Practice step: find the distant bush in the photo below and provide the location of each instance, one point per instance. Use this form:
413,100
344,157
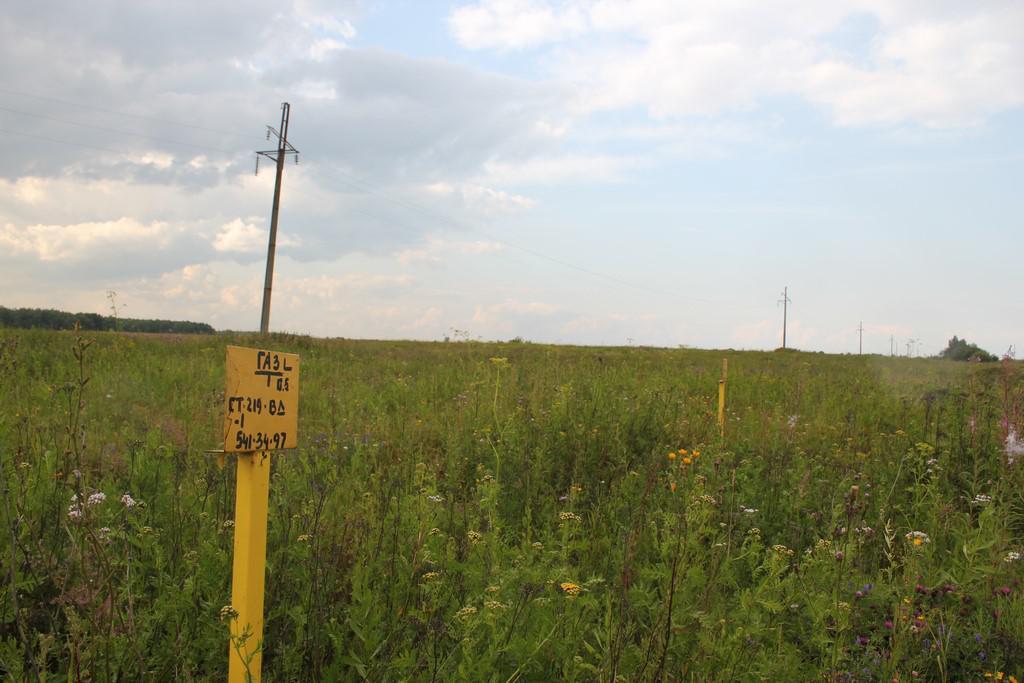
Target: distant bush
50,319
959,349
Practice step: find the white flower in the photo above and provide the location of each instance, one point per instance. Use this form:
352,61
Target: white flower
128,501
1012,556
435,499
96,498
918,537
747,510
982,499
792,420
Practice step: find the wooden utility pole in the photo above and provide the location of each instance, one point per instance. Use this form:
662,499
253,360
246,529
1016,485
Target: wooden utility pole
284,148
785,301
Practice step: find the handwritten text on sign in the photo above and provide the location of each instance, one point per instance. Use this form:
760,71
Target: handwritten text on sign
261,400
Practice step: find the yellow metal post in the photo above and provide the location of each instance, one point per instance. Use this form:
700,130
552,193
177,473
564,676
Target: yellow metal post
721,396
249,567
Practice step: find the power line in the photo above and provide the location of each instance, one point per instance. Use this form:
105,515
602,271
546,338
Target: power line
533,252
121,113
114,130
64,142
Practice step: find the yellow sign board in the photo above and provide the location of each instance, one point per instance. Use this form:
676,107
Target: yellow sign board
261,400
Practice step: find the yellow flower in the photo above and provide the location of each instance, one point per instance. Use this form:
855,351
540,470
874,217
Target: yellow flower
696,454
918,541
682,451
569,588
671,455
673,487
687,460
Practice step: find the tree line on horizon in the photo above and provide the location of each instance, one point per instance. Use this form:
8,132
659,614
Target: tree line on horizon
52,319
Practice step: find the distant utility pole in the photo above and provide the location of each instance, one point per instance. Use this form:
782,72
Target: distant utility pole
284,148
910,345
785,301
892,345
860,344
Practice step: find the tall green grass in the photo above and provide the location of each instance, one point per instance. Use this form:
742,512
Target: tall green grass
468,511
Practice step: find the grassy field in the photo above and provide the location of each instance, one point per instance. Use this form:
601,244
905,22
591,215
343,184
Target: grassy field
503,512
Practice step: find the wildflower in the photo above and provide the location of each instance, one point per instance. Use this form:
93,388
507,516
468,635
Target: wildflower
747,510
494,605
671,455
918,538
782,550
474,537
863,640
569,588
672,486
228,524
537,545
500,362
982,499
792,420
435,499
569,517
303,538
434,532
74,511
710,500
104,531
682,451
430,576
1012,556
146,530
128,501
227,613
465,612
96,498
492,589
687,460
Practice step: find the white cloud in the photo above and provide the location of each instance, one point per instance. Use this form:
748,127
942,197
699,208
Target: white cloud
511,309
435,250
480,198
547,170
330,288
515,24
248,237
935,64
81,240
28,189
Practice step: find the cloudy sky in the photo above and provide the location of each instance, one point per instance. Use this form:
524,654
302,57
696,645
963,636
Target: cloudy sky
575,171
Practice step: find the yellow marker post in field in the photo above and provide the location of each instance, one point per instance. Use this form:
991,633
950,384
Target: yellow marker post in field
261,411
721,396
